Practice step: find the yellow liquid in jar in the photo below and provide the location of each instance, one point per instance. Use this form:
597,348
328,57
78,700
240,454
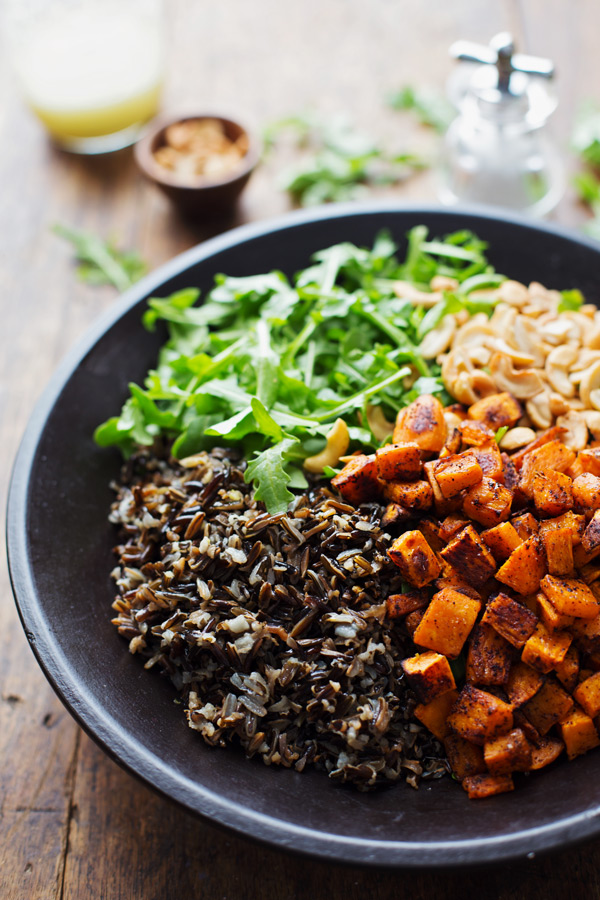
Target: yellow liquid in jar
92,73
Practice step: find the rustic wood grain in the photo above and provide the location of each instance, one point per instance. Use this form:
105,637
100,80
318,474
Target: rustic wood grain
74,826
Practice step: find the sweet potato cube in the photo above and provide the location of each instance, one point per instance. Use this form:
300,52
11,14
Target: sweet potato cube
478,787
510,619
578,733
549,615
412,495
525,567
570,596
589,460
474,433
429,675
548,706
587,634
510,476
591,537
456,473
567,671
421,423
430,529
547,751
552,492
490,459
415,558
488,502
586,492
443,506
479,716
357,482
497,410
451,579
558,544
582,557
489,657
465,758
395,514
412,620
525,525
551,434
470,557
587,694
550,457
399,462
453,442
447,622
451,525
545,650
574,522
398,605
434,715
507,753
502,540
523,683
575,470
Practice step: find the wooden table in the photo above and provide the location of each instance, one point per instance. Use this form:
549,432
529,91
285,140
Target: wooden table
72,824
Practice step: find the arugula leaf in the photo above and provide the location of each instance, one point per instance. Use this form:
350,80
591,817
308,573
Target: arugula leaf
100,261
431,108
585,139
570,300
500,433
269,476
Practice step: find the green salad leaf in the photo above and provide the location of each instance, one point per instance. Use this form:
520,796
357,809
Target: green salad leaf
267,364
100,262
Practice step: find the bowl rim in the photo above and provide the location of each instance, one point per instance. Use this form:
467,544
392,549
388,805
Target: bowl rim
144,157
87,709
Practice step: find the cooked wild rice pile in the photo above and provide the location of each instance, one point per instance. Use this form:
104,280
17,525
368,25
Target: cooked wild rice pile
272,628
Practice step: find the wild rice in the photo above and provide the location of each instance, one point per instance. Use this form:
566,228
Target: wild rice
272,628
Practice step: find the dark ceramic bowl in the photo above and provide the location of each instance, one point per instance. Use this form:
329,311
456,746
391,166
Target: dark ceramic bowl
200,197
60,558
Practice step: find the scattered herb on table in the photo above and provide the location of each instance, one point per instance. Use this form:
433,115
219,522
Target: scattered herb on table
100,262
267,365
430,107
585,141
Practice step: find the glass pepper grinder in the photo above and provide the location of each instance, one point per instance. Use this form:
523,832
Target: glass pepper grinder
497,150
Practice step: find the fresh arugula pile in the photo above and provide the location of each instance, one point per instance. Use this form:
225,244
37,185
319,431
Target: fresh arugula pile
267,365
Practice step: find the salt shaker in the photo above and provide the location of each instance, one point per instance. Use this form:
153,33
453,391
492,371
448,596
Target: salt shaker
497,150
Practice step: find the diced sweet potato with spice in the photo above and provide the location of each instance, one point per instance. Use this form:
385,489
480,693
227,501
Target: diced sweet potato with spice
412,620
591,536
465,758
488,502
513,621
357,482
474,433
525,567
395,514
478,787
555,433
558,545
523,683
429,675
415,558
570,596
550,457
398,605
586,492
434,715
589,460
447,622
508,753
582,557
578,733
413,495
522,722
399,462
545,752
549,615
502,540
497,411
422,423
489,657
451,579
451,525
479,716
574,522
567,671
587,634
456,473
525,525
443,506
430,529
453,442
587,694
548,706
470,557
545,650
552,493
510,476
490,459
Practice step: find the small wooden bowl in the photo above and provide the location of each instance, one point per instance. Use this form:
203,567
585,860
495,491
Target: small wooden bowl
201,196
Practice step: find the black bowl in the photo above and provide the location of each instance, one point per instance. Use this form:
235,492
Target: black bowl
60,543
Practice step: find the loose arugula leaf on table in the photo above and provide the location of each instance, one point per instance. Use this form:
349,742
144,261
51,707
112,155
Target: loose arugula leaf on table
267,364
100,262
430,107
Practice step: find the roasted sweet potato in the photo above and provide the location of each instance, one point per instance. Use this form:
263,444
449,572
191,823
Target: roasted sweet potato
422,423
525,525
465,758
502,540
453,442
413,495
395,515
490,459
497,410
447,622
399,605
451,525
525,567
586,492
583,557
547,751
434,715
578,733
478,787
489,657
567,671
479,716
513,621
429,675
508,753
587,694
451,579
552,492
545,650
415,558
549,615
470,557
412,620
554,433
573,521
399,462
487,502
456,473
510,476
591,536
558,545
523,682
442,505
548,706
475,434
430,529
357,482
589,460
550,457
587,634
570,596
